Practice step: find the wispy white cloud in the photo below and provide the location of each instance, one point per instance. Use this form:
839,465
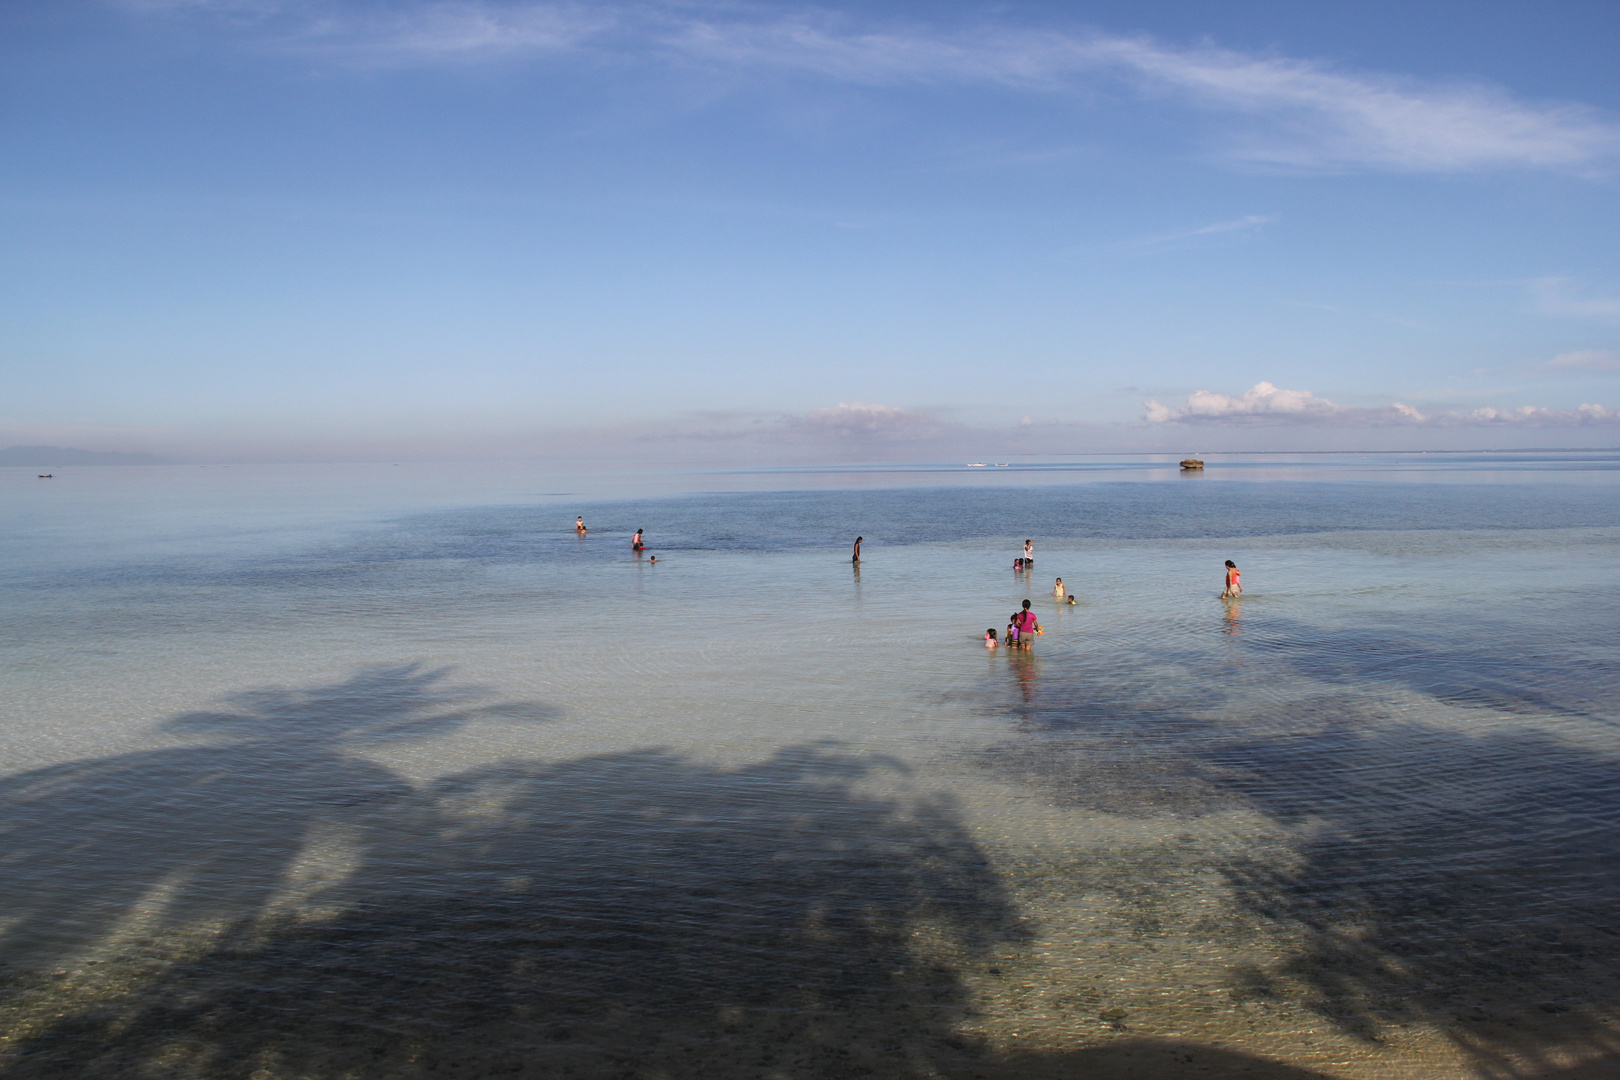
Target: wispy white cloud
1585,360
859,418
259,8
1268,405
1325,118
441,31
1564,297
1302,114
1238,225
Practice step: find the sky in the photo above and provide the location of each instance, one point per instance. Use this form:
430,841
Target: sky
768,232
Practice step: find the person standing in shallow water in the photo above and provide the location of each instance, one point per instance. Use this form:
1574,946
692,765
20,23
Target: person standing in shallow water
1028,626
1234,580
636,544
1029,555
857,556
579,525
1058,590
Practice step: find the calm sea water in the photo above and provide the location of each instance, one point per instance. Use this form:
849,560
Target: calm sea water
382,771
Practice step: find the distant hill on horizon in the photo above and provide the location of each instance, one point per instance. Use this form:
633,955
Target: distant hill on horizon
36,457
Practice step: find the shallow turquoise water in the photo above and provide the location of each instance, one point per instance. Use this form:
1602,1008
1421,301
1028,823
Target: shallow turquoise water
373,771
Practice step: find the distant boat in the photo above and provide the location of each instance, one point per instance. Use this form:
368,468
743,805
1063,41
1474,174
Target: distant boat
46,475
1001,464
1192,463
976,465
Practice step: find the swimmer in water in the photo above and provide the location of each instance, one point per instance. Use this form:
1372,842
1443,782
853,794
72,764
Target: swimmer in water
579,525
1018,566
652,559
1071,598
857,556
990,638
1234,580
1058,590
636,544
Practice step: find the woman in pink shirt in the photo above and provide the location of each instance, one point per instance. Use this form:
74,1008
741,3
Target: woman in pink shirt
1027,626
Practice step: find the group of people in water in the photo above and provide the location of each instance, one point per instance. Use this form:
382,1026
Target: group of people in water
637,545
1022,627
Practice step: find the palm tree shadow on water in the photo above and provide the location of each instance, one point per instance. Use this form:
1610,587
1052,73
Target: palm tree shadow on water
632,914
1466,881
206,831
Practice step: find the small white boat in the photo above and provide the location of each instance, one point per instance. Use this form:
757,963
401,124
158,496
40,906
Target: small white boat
976,465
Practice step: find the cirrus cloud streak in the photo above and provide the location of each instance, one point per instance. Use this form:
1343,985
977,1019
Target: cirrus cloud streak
1299,113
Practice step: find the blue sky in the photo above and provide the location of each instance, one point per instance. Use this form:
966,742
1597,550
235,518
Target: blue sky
285,229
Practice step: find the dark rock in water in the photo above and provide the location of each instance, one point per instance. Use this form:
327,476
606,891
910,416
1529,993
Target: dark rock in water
1192,463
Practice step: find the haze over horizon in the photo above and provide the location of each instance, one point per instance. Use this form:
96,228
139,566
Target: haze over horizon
709,232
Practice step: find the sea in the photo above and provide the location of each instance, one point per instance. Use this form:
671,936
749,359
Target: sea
382,771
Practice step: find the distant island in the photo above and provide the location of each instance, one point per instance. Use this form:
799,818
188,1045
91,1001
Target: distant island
46,456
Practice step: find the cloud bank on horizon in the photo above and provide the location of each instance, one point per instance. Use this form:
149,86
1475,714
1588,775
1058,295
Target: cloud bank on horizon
1268,404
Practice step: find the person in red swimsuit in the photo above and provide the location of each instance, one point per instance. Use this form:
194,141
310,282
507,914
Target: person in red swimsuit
1234,583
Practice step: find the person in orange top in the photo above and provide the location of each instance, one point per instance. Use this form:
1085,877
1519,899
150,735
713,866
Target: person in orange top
1234,583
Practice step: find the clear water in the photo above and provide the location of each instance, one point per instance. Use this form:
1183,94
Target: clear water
379,772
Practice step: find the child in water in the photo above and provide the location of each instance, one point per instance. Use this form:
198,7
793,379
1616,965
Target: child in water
990,638
1058,591
1071,598
1018,566
1234,582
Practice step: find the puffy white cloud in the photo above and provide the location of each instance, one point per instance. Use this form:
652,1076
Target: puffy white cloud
1269,404
1536,416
